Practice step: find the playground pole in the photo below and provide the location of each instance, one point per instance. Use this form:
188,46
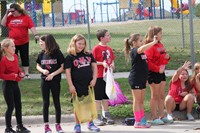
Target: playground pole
33,13
94,13
88,25
163,9
52,12
107,10
116,10
191,32
101,11
182,25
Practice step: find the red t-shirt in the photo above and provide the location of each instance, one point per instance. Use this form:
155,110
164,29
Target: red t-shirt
9,68
156,57
102,53
18,28
175,90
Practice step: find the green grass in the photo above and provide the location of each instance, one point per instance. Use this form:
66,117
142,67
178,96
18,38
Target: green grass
172,39
32,99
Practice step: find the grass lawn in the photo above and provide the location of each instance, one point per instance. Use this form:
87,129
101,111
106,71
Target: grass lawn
32,99
172,39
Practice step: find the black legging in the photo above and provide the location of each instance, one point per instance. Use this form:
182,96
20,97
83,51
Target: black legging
54,87
12,97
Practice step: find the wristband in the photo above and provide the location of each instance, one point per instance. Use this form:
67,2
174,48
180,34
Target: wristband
36,35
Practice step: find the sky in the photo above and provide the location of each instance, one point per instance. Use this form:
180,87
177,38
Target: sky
70,5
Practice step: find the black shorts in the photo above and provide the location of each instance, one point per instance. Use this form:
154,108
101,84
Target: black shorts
100,90
156,78
135,86
177,108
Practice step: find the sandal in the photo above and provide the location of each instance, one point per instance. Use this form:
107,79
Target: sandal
27,76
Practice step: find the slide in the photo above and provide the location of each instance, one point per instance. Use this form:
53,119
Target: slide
185,6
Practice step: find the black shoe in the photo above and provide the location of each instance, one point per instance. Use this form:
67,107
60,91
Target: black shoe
22,129
9,130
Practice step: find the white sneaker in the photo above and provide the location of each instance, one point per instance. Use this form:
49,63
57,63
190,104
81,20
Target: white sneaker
190,117
169,117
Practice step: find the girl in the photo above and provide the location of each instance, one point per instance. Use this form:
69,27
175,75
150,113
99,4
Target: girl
195,81
19,22
50,64
138,75
11,75
81,72
179,96
157,59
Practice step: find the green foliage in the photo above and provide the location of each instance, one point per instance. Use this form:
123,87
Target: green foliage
197,10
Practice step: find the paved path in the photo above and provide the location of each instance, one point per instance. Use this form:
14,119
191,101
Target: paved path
68,125
116,75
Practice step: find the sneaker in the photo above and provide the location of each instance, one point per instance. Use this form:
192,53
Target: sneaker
47,129
142,124
93,128
157,122
59,129
77,128
170,117
190,117
166,120
22,129
107,119
27,76
9,130
98,121
198,109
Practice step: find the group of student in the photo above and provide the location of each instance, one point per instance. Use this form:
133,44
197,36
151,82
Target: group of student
148,64
84,68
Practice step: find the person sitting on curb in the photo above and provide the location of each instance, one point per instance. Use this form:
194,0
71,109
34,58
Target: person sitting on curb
179,96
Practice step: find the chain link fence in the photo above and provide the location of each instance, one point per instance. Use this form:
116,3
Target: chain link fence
65,18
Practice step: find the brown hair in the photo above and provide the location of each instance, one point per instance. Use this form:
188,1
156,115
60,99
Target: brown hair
18,8
101,33
128,44
152,31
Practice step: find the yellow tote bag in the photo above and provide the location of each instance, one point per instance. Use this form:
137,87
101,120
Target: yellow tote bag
85,106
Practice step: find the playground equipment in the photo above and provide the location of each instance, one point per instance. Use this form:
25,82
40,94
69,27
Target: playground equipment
78,16
141,9
176,8
97,4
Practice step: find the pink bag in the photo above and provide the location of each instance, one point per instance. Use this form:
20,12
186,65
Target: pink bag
121,99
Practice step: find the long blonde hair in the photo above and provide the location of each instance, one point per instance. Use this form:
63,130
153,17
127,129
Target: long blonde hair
5,44
72,45
196,67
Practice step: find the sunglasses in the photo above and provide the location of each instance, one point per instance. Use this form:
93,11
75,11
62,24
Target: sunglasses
12,11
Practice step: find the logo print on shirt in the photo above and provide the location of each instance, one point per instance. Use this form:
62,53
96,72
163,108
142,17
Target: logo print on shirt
82,62
48,63
144,57
16,21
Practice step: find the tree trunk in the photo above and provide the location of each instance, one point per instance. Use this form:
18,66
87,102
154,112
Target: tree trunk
4,30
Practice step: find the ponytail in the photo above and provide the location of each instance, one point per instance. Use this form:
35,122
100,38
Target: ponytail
127,49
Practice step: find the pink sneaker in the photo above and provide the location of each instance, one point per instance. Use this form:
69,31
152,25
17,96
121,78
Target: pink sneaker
47,129
59,129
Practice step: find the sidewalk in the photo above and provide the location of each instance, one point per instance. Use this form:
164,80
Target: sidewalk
68,126
116,75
